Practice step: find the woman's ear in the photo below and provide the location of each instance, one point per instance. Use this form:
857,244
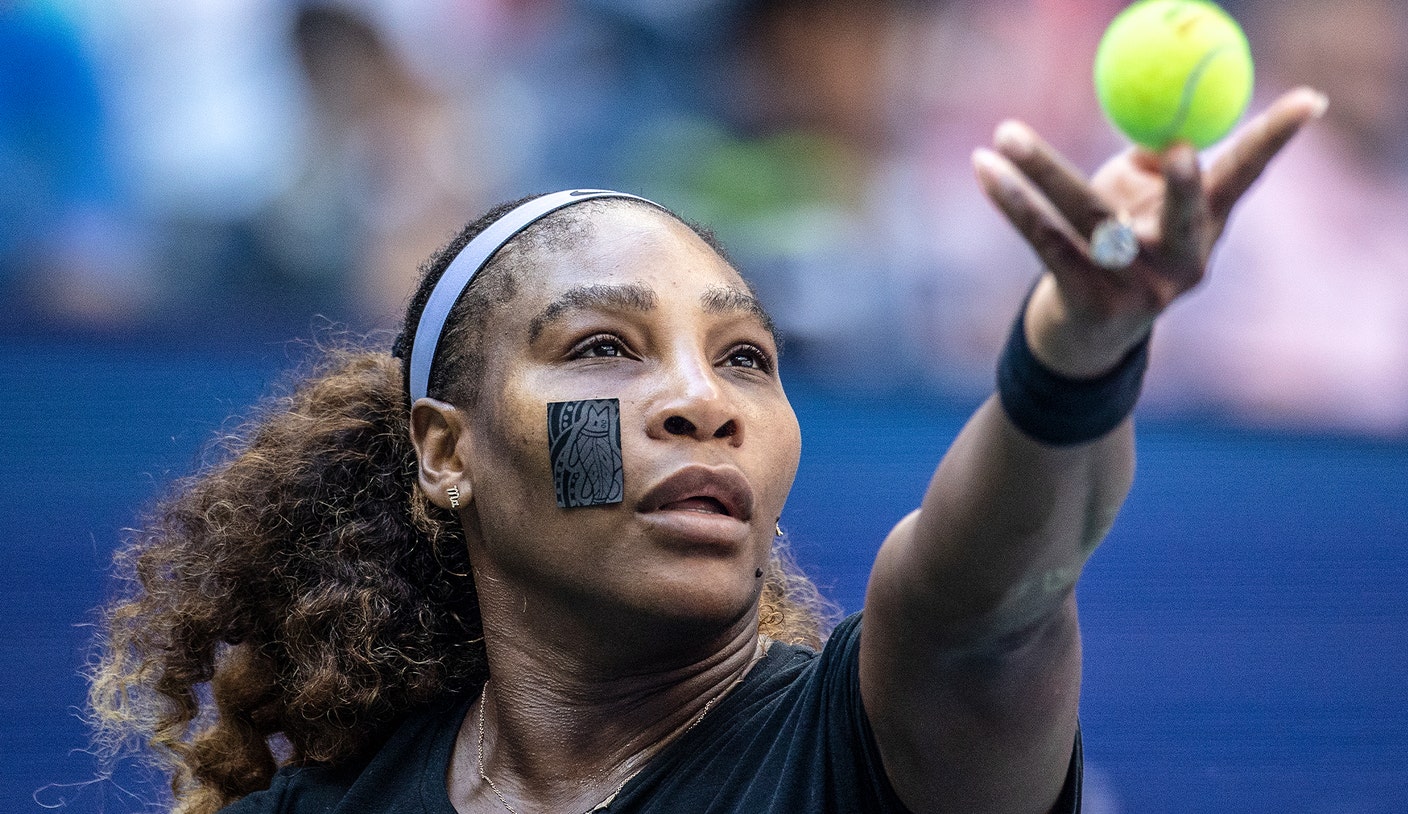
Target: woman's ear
441,438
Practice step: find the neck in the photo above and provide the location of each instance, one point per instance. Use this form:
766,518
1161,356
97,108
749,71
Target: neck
563,729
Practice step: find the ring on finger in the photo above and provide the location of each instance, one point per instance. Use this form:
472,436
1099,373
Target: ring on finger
1113,244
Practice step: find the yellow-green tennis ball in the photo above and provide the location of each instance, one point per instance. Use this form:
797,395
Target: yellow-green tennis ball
1174,70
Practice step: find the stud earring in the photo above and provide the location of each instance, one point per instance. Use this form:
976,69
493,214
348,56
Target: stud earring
454,494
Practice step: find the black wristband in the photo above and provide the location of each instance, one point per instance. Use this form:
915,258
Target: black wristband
1059,410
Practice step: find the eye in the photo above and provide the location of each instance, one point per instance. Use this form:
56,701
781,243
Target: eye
600,346
749,356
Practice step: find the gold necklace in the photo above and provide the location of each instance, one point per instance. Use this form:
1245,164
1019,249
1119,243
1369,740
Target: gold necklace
479,745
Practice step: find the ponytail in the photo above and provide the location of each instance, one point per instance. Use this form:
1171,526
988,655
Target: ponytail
306,580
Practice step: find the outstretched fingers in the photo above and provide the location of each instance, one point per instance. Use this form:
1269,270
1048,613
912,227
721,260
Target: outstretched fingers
1032,213
1234,172
1064,185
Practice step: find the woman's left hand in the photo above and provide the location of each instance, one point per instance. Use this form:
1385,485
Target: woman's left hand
1082,317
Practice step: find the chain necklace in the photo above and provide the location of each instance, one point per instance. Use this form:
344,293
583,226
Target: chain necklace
479,746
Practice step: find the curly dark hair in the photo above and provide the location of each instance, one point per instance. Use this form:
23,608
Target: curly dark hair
293,601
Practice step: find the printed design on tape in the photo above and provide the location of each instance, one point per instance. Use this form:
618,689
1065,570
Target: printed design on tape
584,442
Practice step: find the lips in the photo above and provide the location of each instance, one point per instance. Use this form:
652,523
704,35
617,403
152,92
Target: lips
702,489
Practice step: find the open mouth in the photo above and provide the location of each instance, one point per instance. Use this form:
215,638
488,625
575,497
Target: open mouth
702,504
717,491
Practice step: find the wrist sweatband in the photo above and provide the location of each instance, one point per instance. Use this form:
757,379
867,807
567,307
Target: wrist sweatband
1059,410
469,261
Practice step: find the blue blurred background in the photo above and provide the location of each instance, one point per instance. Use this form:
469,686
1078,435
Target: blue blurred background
191,185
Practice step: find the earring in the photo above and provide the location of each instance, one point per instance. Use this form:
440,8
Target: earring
777,527
454,494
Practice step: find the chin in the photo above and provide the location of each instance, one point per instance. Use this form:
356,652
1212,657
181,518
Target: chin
701,602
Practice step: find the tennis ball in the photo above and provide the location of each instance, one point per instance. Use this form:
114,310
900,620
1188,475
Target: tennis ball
1174,70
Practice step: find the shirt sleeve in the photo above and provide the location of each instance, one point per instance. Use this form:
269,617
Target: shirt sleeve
267,801
294,790
848,727
1069,801
840,667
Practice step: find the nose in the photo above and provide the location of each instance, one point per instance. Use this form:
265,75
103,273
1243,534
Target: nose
695,404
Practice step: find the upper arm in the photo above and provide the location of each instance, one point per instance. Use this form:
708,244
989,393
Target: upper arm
970,655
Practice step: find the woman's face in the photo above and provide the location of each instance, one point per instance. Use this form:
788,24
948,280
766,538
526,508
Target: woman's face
641,310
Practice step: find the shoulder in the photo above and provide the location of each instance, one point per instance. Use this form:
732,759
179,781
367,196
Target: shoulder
791,738
395,777
830,677
297,789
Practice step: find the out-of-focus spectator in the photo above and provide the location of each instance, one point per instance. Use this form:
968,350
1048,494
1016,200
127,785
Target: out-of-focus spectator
385,175
840,176
1305,318
904,254
70,253
785,173
203,119
828,142
596,77
963,69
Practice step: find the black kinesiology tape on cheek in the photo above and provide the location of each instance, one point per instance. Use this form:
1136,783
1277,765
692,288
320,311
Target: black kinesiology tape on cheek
584,443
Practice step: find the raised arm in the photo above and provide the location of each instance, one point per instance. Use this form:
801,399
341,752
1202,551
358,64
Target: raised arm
970,654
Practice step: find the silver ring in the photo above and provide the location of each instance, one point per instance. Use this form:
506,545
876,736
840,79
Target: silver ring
1113,244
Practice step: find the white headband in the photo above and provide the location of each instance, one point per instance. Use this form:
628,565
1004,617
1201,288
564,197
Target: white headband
467,264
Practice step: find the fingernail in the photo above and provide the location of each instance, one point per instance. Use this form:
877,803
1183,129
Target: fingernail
992,170
985,160
1015,139
1322,104
1183,160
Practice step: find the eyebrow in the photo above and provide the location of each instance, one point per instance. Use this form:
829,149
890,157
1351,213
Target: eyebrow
726,299
626,296
719,299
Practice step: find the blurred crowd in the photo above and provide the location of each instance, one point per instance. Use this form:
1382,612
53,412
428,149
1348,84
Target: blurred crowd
196,169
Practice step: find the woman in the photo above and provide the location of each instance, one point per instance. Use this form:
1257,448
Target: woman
532,564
